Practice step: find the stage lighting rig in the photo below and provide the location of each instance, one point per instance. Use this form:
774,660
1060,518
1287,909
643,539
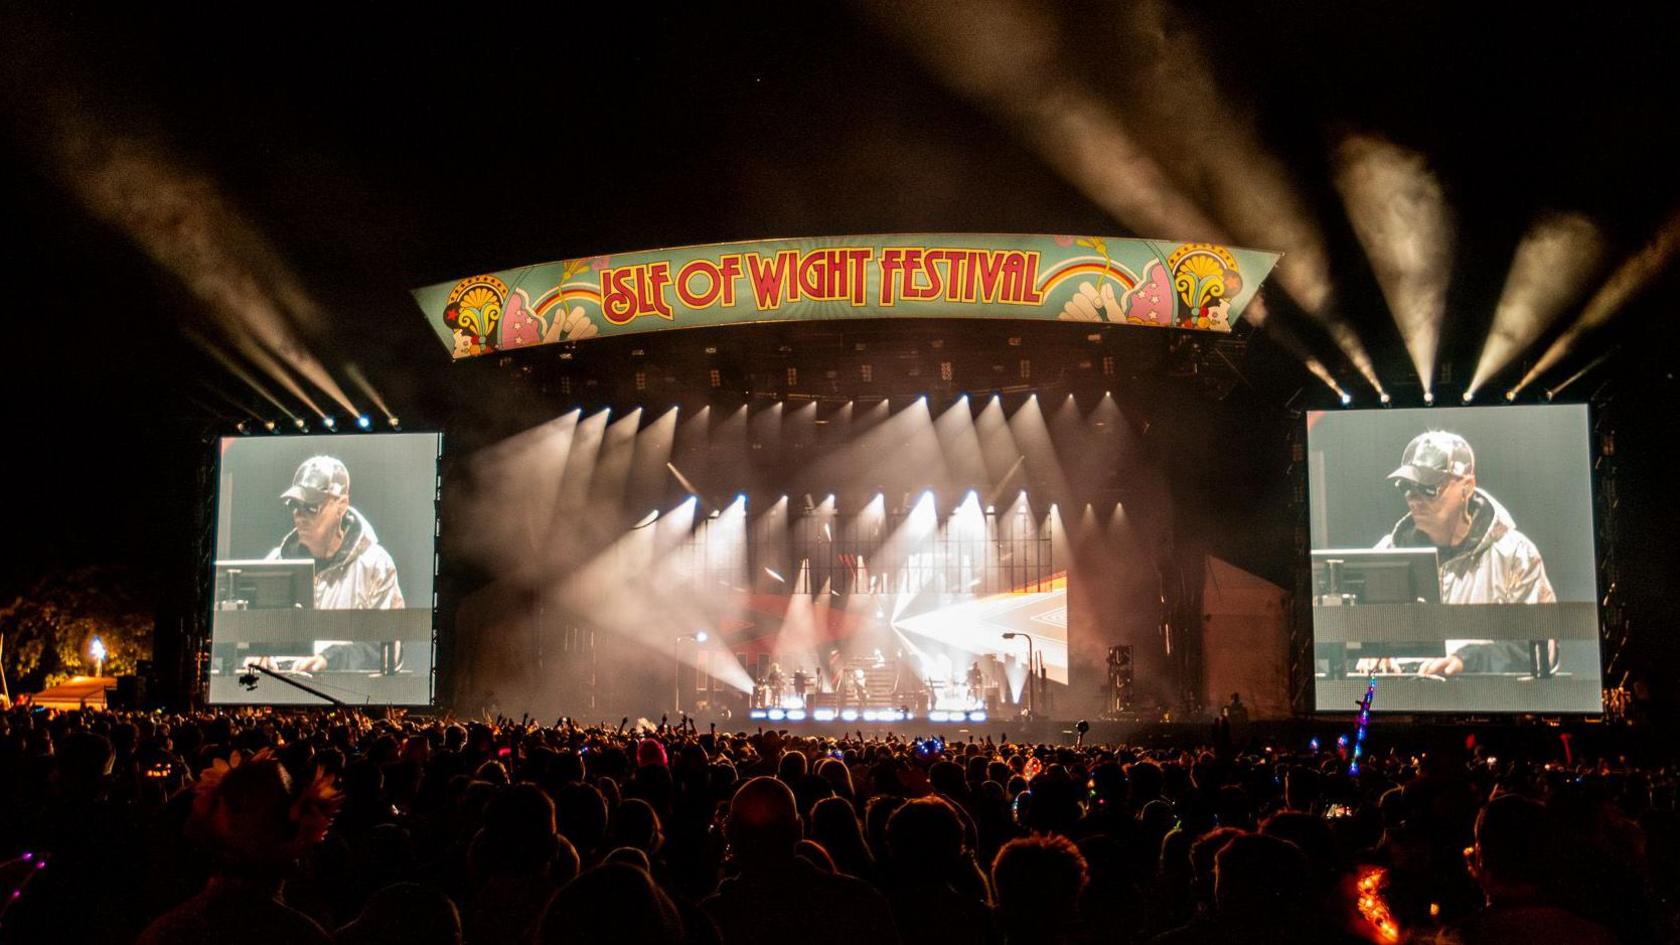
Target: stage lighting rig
365,422
330,423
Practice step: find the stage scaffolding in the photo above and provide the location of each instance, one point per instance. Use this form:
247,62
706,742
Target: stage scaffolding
983,553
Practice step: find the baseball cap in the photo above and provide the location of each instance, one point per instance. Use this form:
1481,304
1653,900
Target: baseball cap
1433,456
317,479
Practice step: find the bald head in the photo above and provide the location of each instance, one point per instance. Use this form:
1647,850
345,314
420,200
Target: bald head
764,825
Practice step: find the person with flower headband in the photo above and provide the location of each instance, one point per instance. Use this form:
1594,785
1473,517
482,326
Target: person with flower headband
256,823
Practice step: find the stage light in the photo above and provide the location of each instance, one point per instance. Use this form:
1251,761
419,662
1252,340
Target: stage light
1429,398
1469,395
776,715
298,422
778,577
796,715
848,715
243,427
271,426
1385,398
701,636
329,422
757,714
1346,398
938,715
395,423
1511,395
823,715
365,422
977,716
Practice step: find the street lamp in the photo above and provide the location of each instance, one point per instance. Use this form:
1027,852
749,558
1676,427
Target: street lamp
1031,675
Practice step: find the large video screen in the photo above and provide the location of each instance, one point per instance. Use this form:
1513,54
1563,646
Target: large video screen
1452,556
322,579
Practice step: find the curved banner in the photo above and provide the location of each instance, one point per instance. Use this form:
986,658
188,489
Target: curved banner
1199,286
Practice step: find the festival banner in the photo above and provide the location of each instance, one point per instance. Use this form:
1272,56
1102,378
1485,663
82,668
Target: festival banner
1196,286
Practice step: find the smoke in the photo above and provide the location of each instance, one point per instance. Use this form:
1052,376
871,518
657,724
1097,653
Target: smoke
175,213
1400,215
1626,282
1005,57
1554,261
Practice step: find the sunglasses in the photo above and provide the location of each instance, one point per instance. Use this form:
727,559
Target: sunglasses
307,508
1418,488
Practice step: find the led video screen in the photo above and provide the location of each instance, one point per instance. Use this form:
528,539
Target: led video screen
1452,555
322,580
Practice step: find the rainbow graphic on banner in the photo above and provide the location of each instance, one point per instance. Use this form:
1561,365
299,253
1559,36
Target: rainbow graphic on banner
1099,280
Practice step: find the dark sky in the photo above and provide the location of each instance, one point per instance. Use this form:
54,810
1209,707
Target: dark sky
377,150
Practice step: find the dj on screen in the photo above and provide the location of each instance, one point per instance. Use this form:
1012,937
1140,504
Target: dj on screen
1484,559
352,570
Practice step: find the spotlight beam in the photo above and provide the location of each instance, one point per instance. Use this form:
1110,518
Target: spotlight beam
1553,261
1399,214
1622,286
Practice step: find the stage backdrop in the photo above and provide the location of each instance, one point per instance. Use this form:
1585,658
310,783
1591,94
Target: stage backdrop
1199,286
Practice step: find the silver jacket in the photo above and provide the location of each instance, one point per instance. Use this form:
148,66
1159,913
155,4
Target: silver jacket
1495,565
1499,565
361,576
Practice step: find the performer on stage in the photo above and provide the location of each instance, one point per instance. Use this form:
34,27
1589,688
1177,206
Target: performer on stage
1484,559
976,684
353,571
774,682
801,683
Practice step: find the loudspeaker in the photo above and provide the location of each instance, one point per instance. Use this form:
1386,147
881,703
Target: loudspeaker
130,694
1119,678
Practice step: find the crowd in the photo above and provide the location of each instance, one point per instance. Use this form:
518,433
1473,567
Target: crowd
264,827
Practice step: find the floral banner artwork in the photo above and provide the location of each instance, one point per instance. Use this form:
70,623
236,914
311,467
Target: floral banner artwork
1197,286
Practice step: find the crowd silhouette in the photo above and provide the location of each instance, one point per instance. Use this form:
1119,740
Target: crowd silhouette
311,827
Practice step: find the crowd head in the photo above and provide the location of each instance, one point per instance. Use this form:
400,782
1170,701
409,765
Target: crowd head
256,826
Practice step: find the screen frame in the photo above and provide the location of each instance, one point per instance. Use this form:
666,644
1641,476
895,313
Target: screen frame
1305,635
201,676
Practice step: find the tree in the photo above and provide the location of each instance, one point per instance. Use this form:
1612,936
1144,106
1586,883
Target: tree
47,630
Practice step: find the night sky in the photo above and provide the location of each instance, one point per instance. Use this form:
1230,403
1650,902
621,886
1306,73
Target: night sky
373,151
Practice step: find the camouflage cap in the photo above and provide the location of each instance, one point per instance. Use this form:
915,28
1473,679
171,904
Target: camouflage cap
317,479
1434,456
